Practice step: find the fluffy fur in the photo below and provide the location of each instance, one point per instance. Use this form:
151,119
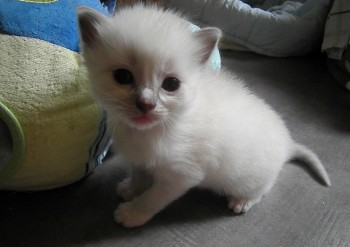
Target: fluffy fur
209,132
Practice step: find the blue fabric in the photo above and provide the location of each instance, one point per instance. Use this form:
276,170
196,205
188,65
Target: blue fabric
54,21
110,5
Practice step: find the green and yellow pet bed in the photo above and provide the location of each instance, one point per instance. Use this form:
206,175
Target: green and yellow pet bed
51,131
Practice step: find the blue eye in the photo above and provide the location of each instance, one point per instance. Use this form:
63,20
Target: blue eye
123,76
171,84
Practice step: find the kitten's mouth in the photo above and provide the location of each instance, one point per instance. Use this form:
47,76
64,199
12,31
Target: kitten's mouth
143,119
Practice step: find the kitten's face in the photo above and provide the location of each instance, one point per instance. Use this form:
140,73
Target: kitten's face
141,90
142,64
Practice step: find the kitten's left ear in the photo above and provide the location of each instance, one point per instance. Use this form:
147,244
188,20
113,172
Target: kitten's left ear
208,38
89,21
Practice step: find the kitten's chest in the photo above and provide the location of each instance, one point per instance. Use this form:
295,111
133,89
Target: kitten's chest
144,149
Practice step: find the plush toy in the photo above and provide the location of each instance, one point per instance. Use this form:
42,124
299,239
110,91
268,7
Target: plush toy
51,131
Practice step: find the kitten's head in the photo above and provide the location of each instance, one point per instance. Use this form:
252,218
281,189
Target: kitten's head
143,62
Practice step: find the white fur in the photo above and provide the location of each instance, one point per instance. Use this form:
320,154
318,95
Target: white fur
212,132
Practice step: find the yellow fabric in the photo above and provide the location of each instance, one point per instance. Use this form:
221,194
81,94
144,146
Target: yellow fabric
45,87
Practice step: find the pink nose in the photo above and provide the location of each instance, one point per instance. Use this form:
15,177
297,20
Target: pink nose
144,105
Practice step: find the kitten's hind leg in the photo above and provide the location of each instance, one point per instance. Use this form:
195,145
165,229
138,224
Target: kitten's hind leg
241,205
134,185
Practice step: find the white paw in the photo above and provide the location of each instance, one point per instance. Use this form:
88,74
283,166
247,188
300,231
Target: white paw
241,205
125,190
130,216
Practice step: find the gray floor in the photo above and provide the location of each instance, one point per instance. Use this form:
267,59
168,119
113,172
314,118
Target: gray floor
297,212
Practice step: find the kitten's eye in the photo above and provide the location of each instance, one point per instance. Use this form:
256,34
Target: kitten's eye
123,76
171,84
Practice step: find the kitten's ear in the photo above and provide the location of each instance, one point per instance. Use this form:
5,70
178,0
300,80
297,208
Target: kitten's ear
208,38
89,21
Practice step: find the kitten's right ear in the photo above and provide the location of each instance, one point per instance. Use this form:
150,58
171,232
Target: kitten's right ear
89,20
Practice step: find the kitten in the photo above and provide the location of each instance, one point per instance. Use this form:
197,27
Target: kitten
174,118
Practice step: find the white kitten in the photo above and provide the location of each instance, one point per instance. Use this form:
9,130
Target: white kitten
175,118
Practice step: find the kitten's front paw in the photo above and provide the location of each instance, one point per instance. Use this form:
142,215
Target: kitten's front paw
125,190
129,216
241,205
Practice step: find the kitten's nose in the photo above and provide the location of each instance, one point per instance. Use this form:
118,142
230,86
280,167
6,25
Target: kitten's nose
145,105
145,100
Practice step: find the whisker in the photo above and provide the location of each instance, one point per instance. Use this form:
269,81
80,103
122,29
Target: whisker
115,120
103,91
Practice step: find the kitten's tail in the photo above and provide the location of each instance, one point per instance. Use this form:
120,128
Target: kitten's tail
309,158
